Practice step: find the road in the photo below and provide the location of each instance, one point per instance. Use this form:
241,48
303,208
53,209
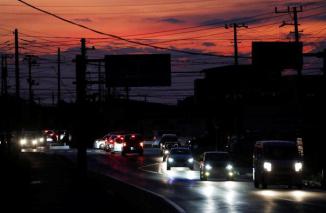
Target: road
183,187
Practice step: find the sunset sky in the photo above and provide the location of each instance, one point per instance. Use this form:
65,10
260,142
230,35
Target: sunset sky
193,25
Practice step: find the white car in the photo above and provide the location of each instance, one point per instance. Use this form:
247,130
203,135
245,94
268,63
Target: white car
180,157
99,143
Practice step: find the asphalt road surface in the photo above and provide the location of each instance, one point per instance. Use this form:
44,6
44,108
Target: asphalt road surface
183,187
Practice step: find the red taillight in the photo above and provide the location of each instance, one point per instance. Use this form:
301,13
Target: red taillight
133,136
111,141
141,144
124,144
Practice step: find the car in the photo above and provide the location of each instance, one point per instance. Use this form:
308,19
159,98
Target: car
133,143
50,135
100,142
30,139
180,157
216,164
167,139
114,143
277,162
158,134
167,148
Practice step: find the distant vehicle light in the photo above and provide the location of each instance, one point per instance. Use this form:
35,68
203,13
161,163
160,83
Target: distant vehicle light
49,139
208,167
231,174
190,160
229,167
207,173
166,152
298,166
141,144
133,136
268,166
34,142
23,141
41,140
171,160
124,144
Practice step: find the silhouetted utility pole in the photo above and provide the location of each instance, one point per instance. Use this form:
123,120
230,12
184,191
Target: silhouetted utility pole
80,125
99,82
81,74
294,11
4,75
324,62
59,75
17,64
30,81
235,26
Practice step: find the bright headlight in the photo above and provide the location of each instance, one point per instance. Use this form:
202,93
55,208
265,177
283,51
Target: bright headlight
208,167
34,142
23,141
166,152
171,160
229,167
190,160
41,140
268,166
298,166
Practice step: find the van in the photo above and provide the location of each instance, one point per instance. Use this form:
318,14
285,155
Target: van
277,163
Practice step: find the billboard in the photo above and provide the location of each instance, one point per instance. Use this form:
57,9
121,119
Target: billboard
277,55
138,70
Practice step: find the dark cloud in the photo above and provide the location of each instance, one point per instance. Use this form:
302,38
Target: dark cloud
208,44
172,20
83,20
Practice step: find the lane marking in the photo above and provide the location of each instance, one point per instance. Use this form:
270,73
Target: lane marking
175,206
150,171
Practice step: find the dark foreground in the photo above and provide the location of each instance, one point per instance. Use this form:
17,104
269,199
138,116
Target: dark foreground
37,182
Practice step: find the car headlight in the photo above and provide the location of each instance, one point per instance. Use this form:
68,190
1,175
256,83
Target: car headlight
34,142
298,166
171,160
41,140
268,166
208,167
23,141
229,167
190,160
166,152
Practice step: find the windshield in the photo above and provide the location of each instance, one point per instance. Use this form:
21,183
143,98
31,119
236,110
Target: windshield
180,151
280,151
216,157
31,134
169,138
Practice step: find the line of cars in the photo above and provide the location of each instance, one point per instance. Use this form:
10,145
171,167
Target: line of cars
275,162
121,142
27,140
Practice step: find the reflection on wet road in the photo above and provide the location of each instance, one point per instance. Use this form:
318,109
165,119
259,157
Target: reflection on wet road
183,187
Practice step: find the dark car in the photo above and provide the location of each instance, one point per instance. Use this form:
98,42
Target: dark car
217,165
180,157
30,139
133,143
277,163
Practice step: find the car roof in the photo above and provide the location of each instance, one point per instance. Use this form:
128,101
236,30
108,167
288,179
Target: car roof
180,148
169,135
215,152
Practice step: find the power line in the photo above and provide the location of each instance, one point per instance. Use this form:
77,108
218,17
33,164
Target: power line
119,37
